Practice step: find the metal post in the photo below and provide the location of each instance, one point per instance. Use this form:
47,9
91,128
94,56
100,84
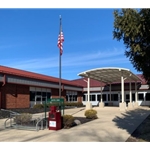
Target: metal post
60,45
59,75
45,109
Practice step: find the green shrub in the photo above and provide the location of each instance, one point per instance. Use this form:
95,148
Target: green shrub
23,118
91,114
76,104
69,104
39,106
68,121
79,104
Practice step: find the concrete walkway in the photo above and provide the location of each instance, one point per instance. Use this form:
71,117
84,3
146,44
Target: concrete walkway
112,125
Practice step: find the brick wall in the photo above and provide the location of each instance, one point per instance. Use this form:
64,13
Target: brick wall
55,93
80,95
16,96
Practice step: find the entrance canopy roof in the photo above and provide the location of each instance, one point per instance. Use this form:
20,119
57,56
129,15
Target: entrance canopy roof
110,74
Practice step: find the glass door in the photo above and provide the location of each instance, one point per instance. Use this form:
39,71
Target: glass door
38,99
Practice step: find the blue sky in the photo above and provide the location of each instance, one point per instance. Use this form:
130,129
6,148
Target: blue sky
28,40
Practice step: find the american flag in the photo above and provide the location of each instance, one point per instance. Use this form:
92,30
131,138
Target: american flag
60,42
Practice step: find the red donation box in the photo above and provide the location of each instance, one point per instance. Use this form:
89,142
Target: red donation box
54,119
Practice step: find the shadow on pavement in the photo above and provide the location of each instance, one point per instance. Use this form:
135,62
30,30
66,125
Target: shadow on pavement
132,120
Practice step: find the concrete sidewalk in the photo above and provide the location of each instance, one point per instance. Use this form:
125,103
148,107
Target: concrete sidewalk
112,125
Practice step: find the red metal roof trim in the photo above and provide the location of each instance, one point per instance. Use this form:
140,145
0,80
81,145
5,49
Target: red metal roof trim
93,83
27,74
77,82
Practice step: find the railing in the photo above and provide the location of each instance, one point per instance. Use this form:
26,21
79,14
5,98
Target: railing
25,121
12,112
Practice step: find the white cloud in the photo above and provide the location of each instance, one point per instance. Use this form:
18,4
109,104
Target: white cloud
39,63
109,56
75,60
72,64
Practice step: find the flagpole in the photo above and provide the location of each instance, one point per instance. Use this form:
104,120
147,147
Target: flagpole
60,63
59,76
60,45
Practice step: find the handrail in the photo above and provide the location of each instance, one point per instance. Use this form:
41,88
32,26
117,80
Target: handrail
10,111
5,122
41,120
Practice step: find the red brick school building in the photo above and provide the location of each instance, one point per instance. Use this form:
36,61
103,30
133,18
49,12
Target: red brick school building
23,89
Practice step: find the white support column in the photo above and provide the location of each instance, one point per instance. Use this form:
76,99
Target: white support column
130,94
101,104
130,105
144,98
110,103
122,105
88,104
88,88
122,89
110,92
101,94
96,97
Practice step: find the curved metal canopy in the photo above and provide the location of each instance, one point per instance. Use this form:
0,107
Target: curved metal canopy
110,74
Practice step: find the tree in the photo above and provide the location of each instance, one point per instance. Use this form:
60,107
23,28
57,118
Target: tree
133,27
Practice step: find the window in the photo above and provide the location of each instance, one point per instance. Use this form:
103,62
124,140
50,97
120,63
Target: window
104,97
108,97
141,96
38,95
32,96
71,96
114,97
133,96
74,97
38,98
92,98
84,96
44,99
44,94
147,96
67,98
98,97
127,97
48,94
